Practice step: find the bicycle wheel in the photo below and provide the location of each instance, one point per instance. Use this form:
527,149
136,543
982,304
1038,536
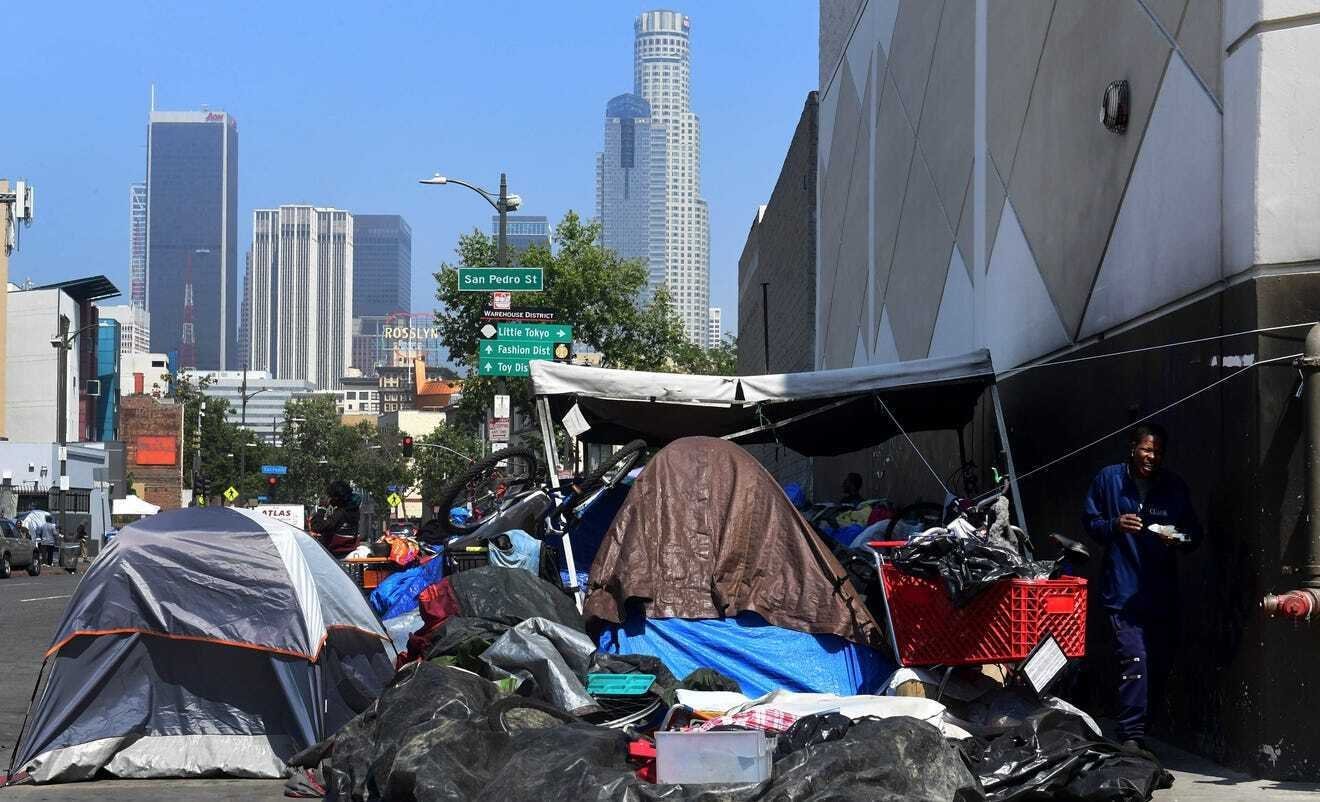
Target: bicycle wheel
485,486
606,475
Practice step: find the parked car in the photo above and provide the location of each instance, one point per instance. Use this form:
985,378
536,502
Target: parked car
17,550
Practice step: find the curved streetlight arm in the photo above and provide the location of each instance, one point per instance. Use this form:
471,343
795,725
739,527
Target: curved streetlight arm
490,197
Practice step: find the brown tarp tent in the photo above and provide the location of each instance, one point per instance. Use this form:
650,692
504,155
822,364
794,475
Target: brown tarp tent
706,532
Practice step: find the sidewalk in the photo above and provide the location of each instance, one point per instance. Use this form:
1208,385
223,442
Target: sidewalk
1198,780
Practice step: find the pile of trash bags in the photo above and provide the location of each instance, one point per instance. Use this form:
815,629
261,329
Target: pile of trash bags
497,707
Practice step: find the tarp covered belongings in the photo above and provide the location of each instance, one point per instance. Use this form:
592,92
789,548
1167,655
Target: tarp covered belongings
204,642
441,734
760,657
500,597
706,533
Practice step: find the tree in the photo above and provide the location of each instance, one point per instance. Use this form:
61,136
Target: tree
437,467
318,449
590,288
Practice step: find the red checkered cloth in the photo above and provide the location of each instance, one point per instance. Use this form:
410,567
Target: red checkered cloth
758,718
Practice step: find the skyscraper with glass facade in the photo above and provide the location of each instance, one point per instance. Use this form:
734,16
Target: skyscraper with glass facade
662,77
523,230
192,237
382,264
630,186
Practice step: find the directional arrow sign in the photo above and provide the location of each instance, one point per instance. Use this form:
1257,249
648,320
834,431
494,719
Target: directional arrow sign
502,279
492,366
517,349
535,332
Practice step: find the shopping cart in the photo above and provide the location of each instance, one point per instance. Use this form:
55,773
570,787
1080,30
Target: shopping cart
1001,625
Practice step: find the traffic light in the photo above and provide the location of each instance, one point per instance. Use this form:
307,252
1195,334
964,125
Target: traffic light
272,486
407,445
199,486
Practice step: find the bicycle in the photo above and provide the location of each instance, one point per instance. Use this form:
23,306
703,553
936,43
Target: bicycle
508,490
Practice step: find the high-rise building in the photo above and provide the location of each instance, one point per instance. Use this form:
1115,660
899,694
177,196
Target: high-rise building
523,231
661,76
382,264
137,245
192,236
134,327
300,319
715,319
630,186
648,177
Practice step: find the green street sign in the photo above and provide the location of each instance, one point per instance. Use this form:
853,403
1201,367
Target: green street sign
516,349
535,332
501,279
491,366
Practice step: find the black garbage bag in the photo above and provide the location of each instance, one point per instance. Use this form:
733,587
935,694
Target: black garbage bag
810,730
966,565
422,697
888,759
1053,753
511,597
464,639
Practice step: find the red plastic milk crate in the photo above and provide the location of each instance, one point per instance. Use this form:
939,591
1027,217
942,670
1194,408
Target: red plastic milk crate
1001,625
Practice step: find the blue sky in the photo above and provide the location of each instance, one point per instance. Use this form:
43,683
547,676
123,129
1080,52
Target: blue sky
348,104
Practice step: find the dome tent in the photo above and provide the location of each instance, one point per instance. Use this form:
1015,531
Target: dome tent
203,642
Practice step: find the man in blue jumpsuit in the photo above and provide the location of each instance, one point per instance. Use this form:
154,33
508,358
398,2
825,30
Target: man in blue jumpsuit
1143,516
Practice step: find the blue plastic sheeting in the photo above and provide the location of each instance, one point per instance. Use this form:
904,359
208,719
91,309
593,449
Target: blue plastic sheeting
760,657
594,522
398,593
524,552
581,577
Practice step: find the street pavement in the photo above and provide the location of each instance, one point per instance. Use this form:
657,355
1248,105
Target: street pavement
31,609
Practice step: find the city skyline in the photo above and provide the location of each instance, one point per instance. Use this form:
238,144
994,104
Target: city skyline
289,137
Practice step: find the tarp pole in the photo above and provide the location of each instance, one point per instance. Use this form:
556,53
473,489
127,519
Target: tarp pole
1008,460
548,441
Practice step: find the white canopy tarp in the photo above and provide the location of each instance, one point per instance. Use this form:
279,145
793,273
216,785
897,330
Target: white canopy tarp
132,505
816,413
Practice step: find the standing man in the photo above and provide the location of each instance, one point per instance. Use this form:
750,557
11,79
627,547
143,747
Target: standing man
1143,516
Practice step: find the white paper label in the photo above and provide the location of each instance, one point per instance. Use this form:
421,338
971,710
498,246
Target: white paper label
575,423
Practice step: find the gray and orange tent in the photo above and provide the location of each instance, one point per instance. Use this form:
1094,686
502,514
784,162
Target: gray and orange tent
203,643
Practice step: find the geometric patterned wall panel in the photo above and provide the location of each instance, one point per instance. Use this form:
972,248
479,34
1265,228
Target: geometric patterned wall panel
1021,320
953,324
1070,172
1166,241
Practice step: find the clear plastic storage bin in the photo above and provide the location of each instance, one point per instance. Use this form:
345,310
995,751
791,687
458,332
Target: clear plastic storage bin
713,757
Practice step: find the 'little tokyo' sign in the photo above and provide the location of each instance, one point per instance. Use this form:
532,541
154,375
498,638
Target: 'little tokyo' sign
501,279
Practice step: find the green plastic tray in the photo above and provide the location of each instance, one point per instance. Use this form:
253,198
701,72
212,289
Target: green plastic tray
619,684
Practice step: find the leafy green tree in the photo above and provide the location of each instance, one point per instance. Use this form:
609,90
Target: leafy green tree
590,288
442,456
318,449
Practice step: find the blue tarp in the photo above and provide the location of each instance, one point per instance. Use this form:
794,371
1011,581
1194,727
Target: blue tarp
524,552
595,521
398,593
761,657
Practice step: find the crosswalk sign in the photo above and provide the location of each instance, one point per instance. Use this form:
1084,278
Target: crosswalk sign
231,494
394,500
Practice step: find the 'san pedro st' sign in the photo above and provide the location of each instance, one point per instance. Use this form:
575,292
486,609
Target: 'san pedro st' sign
501,279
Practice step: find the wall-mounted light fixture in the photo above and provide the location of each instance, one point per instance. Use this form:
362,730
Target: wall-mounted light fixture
1114,106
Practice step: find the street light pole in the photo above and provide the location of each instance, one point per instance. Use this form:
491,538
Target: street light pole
503,208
